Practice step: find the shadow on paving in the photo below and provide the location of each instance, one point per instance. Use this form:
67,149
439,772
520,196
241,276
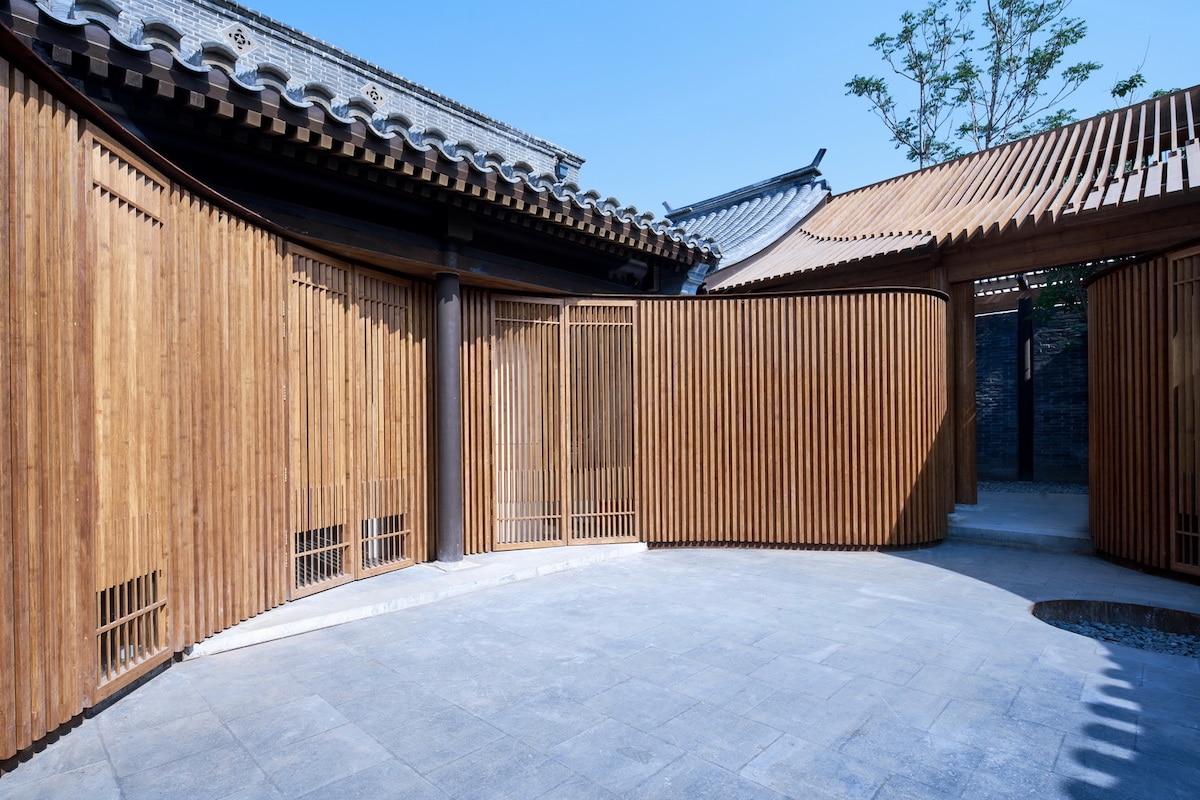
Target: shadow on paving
1143,738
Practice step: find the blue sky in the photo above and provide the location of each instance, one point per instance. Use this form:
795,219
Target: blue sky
679,101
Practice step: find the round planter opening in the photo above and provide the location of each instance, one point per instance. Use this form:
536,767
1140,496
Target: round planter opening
1163,630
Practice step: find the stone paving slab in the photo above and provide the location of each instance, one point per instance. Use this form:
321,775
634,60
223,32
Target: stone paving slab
676,674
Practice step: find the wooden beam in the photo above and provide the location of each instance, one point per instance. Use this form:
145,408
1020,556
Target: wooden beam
1100,238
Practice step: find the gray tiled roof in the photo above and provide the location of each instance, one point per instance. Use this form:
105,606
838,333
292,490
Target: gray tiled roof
256,50
260,55
747,220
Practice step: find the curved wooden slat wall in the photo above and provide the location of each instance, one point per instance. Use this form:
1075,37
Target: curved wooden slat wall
1144,381
1130,441
812,420
143,490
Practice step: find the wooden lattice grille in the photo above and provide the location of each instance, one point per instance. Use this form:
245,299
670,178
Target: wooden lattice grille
564,423
130,625
1185,390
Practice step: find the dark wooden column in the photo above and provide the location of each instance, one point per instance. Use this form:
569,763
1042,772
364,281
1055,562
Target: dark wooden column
962,409
448,381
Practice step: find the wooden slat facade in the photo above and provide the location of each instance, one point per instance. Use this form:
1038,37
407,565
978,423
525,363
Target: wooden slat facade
810,420
47,492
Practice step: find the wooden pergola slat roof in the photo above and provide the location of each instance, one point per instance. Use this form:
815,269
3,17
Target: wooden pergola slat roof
1129,160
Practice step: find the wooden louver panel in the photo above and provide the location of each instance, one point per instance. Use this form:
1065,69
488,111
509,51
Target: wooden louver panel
1185,385
600,397
357,415
527,354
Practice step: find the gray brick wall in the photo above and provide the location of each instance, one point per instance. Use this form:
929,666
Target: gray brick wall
996,396
1060,446
309,60
1059,397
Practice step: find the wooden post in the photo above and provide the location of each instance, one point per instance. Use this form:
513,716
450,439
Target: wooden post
966,473
449,414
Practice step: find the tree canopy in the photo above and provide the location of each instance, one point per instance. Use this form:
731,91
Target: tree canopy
976,85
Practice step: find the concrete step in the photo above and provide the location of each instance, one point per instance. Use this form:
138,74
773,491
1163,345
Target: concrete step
1032,521
1047,541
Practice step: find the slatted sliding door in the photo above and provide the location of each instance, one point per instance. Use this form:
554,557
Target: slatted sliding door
1185,386
354,417
563,422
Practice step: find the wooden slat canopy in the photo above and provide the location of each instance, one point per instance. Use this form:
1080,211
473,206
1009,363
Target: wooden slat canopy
1135,159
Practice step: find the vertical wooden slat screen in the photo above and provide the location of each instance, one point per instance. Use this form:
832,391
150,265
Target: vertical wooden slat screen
385,426
1129,375
47,627
564,422
1185,407
811,420
423,421
529,484
600,422
224,385
479,511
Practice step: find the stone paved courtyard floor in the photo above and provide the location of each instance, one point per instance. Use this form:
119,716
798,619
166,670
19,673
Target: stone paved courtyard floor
676,674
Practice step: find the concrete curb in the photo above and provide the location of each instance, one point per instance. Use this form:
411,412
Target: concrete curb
407,588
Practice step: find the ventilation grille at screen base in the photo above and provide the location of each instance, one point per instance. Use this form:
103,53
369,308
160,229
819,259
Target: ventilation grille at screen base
130,627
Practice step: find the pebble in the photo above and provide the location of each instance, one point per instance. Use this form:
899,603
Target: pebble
1178,644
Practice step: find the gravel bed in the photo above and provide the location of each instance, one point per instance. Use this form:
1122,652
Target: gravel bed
1178,644
1033,487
